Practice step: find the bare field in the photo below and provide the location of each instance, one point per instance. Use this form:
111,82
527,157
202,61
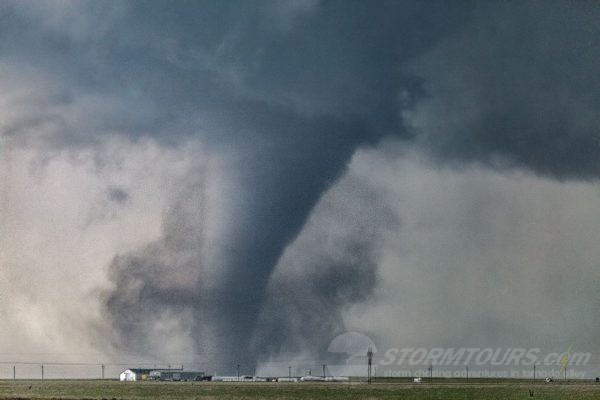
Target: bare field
107,389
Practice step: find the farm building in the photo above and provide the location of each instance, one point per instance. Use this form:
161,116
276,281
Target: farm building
134,374
175,375
143,374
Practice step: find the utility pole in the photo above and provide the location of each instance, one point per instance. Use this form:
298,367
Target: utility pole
290,372
467,372
324,366
430,372
42,372
370,360
534,371
14,372
238,372
102,371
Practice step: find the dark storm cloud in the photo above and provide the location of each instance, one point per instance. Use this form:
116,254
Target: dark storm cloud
518,87
168,65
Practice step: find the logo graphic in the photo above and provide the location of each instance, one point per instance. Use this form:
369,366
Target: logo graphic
565,358
353,344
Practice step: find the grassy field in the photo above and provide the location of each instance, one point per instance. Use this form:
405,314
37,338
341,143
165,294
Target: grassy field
205,390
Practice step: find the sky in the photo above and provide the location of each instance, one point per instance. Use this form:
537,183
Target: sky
220,183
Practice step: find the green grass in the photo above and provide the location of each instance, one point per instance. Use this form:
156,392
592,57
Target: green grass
481,390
